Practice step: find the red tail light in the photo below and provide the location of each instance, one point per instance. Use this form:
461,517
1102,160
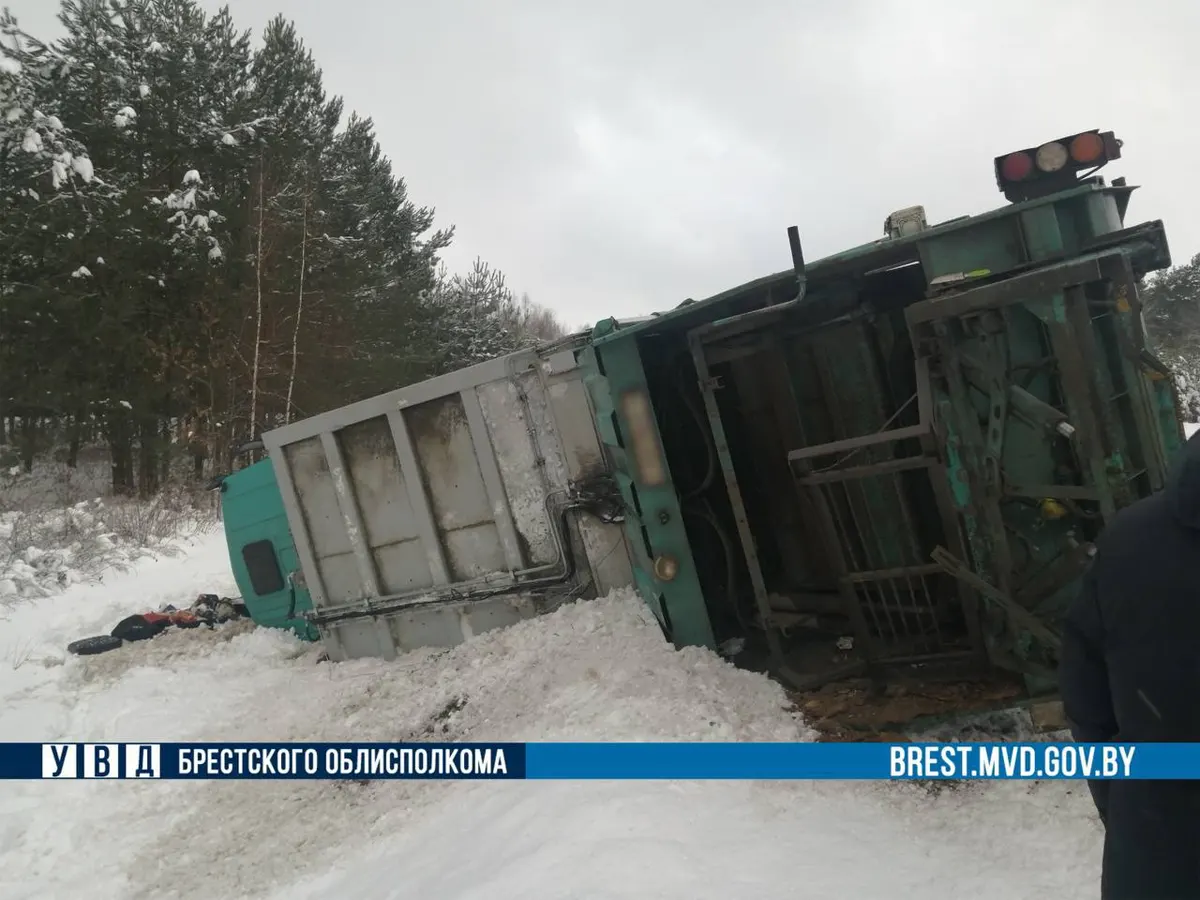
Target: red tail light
1016,166
1055,165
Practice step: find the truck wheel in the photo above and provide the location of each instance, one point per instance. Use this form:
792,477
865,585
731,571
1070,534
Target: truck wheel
92,645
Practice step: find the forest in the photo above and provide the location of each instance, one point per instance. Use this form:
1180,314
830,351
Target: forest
198,243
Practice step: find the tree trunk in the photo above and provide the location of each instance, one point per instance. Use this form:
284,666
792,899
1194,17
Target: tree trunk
287,410
148,447
164,436
120,442
28,442
258,320
75,438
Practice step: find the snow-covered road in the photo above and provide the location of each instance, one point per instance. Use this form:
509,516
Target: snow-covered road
591,671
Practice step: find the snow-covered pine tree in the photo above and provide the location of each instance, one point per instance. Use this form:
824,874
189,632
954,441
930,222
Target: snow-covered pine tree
164,274
476,317
49,198
386,256
1172,313
288,288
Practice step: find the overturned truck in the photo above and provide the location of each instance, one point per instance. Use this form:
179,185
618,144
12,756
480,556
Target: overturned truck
896,455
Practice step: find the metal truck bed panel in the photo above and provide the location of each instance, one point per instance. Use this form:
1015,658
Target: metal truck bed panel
405,504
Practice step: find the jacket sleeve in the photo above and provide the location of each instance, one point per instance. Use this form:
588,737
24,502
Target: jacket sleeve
1083,678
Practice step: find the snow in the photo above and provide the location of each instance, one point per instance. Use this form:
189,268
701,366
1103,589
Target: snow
124,116
594,670
32,142
182,200
1190,428
228,140
83,167
9,66
143,90
155,47
82,272
191,176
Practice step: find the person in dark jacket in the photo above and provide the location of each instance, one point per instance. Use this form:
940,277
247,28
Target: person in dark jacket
1130,671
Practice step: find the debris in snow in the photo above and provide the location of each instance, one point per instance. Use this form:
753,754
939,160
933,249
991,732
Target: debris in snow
143,90
82,272
32,142
228,140
83,167
191,176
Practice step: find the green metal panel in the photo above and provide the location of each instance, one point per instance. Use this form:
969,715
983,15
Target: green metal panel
615,381
994,246
1068,348
252,510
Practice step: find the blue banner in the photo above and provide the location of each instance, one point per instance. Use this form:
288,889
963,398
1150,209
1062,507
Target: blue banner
616,761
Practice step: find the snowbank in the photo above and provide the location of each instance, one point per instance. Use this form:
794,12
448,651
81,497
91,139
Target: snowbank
597,670
56,529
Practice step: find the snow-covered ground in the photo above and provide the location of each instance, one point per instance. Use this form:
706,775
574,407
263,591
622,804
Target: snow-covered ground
595,670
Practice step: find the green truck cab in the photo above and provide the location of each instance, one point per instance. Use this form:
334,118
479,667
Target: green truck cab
261,551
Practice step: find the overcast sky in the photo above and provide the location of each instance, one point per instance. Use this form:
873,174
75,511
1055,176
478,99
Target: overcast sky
616,157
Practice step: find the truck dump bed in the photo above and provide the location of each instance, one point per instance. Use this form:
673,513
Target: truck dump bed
426,515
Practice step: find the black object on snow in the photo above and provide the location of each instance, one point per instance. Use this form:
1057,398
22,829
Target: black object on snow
90,646
209,609
140,628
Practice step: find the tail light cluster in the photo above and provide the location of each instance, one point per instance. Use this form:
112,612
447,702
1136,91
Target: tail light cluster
1054,165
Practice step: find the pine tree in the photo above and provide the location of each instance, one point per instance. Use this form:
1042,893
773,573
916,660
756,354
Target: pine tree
225,256
1171,301
49,196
